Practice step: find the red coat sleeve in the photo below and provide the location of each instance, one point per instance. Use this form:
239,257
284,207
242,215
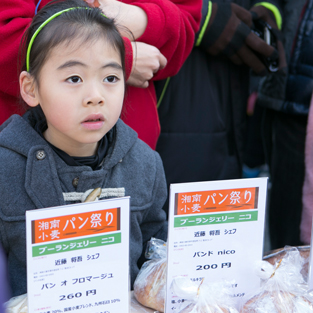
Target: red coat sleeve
15,17
171,28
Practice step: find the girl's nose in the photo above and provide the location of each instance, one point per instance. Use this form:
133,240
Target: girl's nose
94,97
95,101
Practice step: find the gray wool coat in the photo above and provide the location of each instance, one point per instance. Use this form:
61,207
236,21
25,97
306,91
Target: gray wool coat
30,180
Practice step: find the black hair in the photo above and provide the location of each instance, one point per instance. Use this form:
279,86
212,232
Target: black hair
84,23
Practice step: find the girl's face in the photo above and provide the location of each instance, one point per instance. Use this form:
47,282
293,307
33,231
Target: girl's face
81,91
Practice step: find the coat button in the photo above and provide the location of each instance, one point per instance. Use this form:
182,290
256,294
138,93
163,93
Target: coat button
40,155
75,181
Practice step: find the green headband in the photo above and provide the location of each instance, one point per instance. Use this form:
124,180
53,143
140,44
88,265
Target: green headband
42,26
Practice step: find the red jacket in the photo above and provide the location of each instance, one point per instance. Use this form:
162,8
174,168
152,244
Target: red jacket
171,28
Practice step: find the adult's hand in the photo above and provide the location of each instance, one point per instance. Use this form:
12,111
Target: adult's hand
93,3
262,13
147,60
130,17
229,33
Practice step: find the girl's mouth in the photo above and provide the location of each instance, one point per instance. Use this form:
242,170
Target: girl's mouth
93,121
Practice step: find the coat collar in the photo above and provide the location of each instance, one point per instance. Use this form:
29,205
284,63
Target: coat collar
45,170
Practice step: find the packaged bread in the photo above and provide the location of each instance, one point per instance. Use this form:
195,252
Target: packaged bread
277,254
17,304
149,286
204,297
283,289
278,302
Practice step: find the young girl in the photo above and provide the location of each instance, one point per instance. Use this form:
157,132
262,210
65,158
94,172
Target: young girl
72,141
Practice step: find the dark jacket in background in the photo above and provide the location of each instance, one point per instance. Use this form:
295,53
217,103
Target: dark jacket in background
290,92
203,114
286,97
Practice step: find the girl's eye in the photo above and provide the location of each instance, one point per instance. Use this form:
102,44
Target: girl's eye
111,79
74,79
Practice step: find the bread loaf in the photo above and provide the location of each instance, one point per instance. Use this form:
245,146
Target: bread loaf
149,286
277,302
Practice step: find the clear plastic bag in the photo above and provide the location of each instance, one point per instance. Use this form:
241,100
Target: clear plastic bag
17,304
205,298
283,289
149,286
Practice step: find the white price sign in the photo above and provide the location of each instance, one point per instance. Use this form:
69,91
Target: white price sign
78,258
216,232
